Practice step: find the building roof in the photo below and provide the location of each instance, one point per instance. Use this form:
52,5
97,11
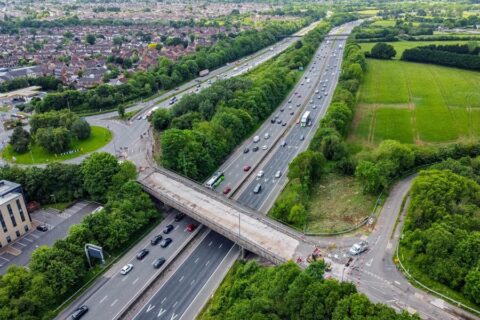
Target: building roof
9,197
7,187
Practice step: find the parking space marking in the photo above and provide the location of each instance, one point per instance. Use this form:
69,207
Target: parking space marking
4,258
114,302
103,299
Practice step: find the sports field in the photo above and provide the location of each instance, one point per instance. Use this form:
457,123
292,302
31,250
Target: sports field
416,103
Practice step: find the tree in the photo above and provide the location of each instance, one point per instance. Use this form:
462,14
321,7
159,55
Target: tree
98,171
81,129
382,50
90,39
121,110
472,285
161,119
20,140
54,140
117,41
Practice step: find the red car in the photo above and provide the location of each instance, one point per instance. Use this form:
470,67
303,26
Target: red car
227,190
246,168
191,227
298,121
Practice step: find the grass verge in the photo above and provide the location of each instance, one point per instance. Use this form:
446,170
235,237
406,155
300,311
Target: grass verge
98,138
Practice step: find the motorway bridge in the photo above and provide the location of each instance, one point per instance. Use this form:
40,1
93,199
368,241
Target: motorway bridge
251,230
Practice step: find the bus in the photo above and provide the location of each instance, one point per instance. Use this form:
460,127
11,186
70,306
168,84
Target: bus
215,180
305,119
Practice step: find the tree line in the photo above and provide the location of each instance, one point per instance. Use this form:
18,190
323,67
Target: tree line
458,56
56,272
442,228
167,74
251,291
47,83
327,144
203,129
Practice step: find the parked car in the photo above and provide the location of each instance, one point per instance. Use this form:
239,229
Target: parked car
168,229
42,228
358,248
227,190
142,254
165,242
79,312
126,269
179,216
156,239
191,227
158,262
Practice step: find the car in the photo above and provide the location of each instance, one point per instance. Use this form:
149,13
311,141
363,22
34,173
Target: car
260,174
290,101
142,254
326,93
179,216
158,262
246,150
279,121
177,88
257,188
298,105
126,269
168,229
284,143
227,190
284,123
139,118
316,91
255,149
290,107
299,95
272,120
42,228
266,136
165,242
246,168
191,227
314,106
264,147
282,109
298,121
278,174
156,239
256,139
292,113
311,101
319,97
358,248
171,102
79,312
302,137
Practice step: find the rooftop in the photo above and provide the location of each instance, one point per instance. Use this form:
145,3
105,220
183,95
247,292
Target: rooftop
7,187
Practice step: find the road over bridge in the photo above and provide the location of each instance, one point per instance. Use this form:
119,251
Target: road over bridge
249,229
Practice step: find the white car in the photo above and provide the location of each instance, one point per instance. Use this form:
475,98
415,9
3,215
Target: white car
126,269
256,139
260,174
358,248
278,174
266,136
265,147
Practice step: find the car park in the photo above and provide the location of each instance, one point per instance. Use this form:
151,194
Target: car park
246,168
158,262
179,216
227,190
191,227
79,312
156,239
168,229
142,254
165,242
358,248
257,188
126,269
42,228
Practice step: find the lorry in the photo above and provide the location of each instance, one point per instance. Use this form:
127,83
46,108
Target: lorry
204,73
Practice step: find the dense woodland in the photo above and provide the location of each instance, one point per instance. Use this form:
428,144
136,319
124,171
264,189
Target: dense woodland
286,292
202,129
56,272
442,229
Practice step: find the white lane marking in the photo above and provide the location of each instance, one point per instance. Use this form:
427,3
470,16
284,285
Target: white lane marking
196,260
103,299
174,316
208,262
124,278
397,283
22,244
164,300
162,311
181,279
150,307
221,244
114,302
193,281
210,243
176,302
4,258
135,281
369,263
28,239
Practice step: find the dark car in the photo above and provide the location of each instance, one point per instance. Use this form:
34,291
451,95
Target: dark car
227,190
156,239
142,254
79,312
42,228
168,228
246,150
279,121
272,120
255,149
158,263
284,124
165,242
179,216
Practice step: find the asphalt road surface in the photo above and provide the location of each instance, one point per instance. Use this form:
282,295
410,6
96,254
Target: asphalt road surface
174,297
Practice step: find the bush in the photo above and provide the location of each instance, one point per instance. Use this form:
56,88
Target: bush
20,140
382,50
81,129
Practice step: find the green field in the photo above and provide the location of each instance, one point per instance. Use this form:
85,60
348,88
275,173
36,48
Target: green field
98,138
416,103
400,46
384,23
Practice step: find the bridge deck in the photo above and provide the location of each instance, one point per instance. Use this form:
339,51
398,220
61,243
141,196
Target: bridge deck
256,233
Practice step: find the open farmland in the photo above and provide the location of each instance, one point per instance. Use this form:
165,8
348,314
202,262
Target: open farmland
400,46
416,103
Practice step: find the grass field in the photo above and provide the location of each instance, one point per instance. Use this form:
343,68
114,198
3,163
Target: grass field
98,138
368,12
416,103
337,203
400,46
384,23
